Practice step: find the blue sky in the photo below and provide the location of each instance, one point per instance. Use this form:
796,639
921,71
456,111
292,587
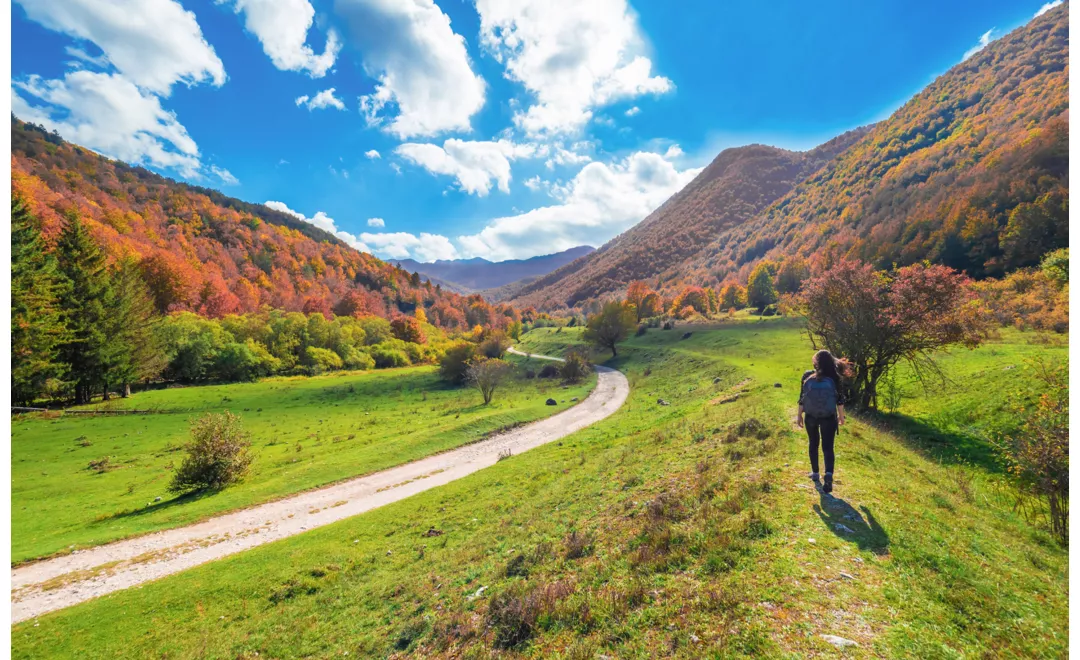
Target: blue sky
494,128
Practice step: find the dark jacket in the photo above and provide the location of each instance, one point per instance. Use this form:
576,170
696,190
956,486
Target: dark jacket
840,398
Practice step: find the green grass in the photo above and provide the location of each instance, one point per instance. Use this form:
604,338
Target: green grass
305,432
696,525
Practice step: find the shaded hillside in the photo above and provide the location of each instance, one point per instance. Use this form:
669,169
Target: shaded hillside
202,251
739,183
476,274
972,172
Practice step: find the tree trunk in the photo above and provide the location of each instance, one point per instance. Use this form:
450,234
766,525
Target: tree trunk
127,390
613,353
105,392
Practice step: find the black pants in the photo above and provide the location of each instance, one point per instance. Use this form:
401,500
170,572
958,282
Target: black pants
821,431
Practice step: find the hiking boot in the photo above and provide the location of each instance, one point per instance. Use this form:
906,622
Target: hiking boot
828,483
815,478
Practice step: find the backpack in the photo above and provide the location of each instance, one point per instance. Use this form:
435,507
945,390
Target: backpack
819,397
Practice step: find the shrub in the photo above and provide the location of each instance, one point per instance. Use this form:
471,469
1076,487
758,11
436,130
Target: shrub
495,345
455,362
217,456
386,357
548,371
318,360
354,358
575,367
1037,452
642,329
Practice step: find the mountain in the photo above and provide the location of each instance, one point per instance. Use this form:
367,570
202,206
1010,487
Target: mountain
738,183
202,251
476,274
972,172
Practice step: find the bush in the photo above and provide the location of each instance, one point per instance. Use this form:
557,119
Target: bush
770,310
217,456
642,329
575,368
548,371
354,358
495,345
318,360
1037,452
455,362
386,357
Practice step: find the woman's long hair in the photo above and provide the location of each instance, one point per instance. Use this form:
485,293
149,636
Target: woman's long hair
826,365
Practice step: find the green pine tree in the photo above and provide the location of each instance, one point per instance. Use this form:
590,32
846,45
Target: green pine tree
37,322
82,264
134,350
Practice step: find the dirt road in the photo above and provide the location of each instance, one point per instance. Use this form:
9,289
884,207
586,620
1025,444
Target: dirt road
97,571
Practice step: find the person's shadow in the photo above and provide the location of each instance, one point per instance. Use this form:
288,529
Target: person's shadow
847,523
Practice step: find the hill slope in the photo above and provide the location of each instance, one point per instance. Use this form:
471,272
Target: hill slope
476,274
204,251
972,172
738,183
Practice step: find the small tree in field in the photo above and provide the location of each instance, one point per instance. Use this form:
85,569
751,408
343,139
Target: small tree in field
487,375
611,325
575,367
876,320
218,455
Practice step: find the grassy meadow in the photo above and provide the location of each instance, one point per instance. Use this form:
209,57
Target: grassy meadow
687,529
305,432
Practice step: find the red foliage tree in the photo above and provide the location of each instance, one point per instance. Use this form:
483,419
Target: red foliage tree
876,319
407,328
317,305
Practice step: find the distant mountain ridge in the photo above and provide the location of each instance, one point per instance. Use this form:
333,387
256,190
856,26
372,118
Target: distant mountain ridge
476,274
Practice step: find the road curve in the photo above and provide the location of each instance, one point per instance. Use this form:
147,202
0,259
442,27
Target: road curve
98,571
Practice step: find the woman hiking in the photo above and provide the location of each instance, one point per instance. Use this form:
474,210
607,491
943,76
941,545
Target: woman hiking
821,402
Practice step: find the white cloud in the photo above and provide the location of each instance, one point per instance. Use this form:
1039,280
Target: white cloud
571,57
376,222
324,99
109,114
372,154
403,245
534,183
152,43
421,66
99,61
1047,7
673,152
282,27
225,175
395,167
474,164
322,221
983,42
564,156
601,201
632,111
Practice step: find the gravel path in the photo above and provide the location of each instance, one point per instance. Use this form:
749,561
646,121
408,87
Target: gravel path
94,572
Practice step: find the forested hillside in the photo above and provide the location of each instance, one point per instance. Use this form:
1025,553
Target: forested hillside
201,251
738,183
971,173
